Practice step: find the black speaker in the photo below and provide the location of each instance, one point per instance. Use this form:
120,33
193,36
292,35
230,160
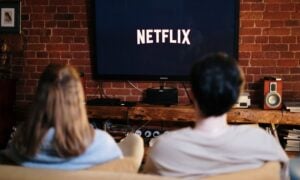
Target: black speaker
161,96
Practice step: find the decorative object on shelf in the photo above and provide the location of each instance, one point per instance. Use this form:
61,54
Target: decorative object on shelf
10,16
292,106
4,53
5,58
243,101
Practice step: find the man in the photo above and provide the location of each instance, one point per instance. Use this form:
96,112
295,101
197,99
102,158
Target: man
212,146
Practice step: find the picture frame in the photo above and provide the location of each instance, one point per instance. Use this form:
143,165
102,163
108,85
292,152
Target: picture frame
10,16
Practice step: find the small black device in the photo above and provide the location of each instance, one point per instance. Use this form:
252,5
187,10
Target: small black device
161,96
104,102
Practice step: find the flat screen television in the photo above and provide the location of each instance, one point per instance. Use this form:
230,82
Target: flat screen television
156,39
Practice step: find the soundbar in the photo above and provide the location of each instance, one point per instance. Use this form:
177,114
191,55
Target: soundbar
161,96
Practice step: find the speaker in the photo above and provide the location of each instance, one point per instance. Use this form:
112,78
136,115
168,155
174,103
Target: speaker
272,93
160,96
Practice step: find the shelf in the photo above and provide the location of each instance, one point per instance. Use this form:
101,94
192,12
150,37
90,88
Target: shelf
187,113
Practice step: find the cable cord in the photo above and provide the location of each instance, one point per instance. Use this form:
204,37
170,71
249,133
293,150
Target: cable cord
135,86
143,125
187,93
101,90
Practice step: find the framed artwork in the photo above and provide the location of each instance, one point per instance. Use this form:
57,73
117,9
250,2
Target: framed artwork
10,17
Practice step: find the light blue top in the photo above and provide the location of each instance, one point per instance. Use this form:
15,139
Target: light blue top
103,149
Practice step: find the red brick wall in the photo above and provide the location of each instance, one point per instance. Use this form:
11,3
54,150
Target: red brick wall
270,44
59,31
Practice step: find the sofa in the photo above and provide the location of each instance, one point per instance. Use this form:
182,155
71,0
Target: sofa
126,169
115,171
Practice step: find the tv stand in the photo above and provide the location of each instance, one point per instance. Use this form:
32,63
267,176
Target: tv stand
179,113
104,102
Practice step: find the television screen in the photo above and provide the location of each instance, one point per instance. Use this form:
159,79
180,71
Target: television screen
155,40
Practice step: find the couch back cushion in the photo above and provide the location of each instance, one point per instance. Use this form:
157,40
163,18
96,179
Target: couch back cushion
8,172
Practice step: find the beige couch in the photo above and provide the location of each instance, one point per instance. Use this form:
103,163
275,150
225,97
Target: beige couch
126,169
115,172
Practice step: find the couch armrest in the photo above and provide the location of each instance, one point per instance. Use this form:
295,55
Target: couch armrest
132,147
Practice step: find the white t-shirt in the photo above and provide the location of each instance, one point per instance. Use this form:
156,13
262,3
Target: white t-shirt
188,152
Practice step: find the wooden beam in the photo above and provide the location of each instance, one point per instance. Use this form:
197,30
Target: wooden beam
187,113
173,113
107,112
292,118
254,115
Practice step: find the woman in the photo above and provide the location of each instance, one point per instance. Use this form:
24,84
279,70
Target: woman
57,133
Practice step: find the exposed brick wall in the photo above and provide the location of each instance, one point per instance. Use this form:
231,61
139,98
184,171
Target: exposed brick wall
59,31
270,44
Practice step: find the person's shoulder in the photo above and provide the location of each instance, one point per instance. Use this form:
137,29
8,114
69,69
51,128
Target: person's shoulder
251,131
101,135
249,128
100,132
104,140
168,137
174,133
103,148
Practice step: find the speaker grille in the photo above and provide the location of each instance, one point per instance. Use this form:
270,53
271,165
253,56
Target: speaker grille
273,100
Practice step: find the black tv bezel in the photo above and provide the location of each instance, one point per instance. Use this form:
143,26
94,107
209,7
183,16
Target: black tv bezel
133,77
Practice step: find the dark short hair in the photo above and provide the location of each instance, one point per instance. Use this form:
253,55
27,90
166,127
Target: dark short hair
216,83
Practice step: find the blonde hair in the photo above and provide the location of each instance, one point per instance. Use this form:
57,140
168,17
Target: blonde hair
59,103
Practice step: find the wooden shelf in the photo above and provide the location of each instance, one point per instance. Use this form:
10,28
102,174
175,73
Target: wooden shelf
187,113
107,112
172,113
